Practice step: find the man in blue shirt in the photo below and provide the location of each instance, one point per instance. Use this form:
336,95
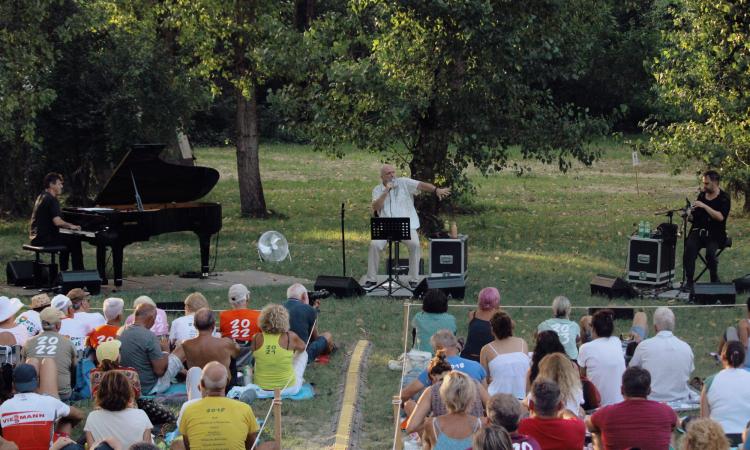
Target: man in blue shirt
302,320
445,340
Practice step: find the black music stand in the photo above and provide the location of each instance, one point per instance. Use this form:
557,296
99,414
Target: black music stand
392,229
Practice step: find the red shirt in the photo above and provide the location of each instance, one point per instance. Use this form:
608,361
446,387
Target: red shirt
239,324
555,434
641,423
102,333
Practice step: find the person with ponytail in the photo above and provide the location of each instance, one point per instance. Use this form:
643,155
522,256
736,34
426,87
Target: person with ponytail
726,396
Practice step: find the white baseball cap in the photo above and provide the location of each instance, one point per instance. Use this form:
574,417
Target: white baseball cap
61,303
238,293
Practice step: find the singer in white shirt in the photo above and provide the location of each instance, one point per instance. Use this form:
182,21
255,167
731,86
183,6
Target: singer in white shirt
394,197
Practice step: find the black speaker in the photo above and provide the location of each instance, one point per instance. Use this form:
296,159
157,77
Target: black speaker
87,279
742,284
611,287
20,273
714,293
453,286
340,286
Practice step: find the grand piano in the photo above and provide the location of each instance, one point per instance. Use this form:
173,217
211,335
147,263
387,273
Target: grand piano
144,197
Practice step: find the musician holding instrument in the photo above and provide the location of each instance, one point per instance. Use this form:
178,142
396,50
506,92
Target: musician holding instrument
709,215
394,197
44,229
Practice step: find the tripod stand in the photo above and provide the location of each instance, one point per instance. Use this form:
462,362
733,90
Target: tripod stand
392,229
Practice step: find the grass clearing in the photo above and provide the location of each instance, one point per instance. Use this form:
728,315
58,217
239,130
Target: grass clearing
537,236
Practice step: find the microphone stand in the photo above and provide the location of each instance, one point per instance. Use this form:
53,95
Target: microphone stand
343,243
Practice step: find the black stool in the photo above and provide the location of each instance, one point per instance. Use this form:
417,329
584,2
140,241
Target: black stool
727,244
45,273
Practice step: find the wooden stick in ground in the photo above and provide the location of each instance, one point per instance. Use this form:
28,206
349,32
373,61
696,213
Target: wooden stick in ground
406,327
398,444
277,416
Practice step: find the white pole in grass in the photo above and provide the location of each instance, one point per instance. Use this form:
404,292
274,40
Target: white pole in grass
636,163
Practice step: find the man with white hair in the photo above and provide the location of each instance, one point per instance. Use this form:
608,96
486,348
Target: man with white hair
303,321
112,309
668,359
394,197
567,330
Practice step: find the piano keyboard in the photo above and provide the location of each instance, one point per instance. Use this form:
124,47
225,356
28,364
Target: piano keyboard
89,234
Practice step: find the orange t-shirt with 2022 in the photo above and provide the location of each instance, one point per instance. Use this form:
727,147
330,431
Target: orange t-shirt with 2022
239,324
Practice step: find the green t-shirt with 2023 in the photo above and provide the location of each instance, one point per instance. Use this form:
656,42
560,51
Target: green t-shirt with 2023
566,330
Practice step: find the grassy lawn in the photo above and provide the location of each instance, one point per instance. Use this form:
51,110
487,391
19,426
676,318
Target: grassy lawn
538,236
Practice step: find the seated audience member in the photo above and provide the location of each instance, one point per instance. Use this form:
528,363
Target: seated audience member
140,348
8,309
108,355
547,343
182,327
280,357
430,402
446,341
492,437
505,410
302,320
30,318
568,331
667,358
160,328
50,344
28,419
505,359
80,300
480,331
726,396
740,333
601,360
434,316
205,348
74,329
636,422
455,429
216,421
112,309
558,368
552,426
114,415
704,434
239,323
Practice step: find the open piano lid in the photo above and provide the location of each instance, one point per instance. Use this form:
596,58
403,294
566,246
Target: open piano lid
158,181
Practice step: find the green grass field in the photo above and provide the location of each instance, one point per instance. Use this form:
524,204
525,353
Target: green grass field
537,236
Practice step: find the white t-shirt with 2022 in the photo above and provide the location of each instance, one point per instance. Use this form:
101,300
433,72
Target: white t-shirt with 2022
605,364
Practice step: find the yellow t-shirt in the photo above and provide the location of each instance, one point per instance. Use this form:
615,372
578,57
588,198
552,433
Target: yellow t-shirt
217,423
273,364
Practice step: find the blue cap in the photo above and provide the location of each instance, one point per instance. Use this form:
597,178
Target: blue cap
25,378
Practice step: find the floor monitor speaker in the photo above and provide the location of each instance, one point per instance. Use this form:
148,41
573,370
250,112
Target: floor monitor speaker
85,279
339,286
453,286
611,287
714,293
20,273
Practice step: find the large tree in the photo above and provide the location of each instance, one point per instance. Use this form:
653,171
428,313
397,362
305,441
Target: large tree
437,85
704,72
238,45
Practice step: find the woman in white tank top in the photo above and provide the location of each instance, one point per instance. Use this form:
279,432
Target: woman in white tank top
505,359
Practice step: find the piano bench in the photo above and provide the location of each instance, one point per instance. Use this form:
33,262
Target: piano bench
45,274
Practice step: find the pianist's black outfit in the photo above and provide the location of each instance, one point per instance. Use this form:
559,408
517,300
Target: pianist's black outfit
707,233
44,232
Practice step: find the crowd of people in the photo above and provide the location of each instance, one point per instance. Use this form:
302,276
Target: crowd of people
59,351
580,387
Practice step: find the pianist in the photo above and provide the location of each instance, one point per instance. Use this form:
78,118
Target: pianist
46,222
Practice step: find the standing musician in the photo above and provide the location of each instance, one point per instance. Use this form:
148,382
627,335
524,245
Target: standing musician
44,229
709,215
394,197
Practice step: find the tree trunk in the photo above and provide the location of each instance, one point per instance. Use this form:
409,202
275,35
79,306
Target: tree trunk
428,159
252,201
746,207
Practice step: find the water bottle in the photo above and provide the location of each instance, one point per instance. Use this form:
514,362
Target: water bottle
641,228
648,230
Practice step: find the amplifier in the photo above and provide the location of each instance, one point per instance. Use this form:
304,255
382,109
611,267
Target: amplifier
650,261
714,293
449,256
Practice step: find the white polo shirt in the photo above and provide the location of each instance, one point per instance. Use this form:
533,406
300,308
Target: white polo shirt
605,364
400,201
669,360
